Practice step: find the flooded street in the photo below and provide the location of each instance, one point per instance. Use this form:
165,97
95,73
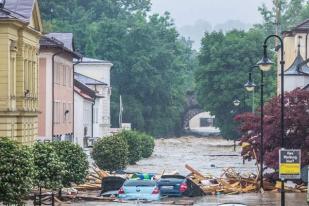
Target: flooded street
202,153
209,155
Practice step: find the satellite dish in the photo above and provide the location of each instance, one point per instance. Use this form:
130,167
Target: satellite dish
304,173
2,3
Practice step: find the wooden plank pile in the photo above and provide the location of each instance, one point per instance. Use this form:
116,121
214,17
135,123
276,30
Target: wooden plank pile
94,179
231,182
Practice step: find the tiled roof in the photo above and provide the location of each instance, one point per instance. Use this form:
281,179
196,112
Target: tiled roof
87,80
17,9
66,38
295,68
84,91
47,41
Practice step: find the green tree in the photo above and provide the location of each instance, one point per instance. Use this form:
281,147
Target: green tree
148,145
153,66
49,169
134,142
16,172
224,65
76,164
292,12
111,153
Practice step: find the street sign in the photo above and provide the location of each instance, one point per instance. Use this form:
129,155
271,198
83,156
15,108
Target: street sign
289,164
308,187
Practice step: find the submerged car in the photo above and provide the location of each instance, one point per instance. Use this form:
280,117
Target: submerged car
139,190
173,185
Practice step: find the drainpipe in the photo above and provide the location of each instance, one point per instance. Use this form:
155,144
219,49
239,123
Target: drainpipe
53,90
307,45
73,123
92,118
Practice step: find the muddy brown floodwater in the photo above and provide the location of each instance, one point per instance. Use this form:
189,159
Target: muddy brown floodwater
208,155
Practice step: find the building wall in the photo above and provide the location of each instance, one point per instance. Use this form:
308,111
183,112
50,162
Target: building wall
195,121
290,53
18,82
99,72
63,95
82,118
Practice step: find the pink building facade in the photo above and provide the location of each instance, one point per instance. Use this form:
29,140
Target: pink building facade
56,96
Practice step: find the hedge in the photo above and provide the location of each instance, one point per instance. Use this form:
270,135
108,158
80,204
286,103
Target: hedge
16,172
111,153
75,160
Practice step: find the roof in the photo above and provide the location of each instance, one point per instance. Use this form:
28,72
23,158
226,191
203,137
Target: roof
295,68
84,91
87,60
87,80
18,9
49,41
66,38
303,26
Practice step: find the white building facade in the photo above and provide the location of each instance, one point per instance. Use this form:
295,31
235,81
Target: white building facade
99,70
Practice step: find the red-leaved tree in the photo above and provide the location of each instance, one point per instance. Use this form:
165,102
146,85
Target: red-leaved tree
296,120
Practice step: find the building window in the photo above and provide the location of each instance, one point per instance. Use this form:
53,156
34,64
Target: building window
206,122
57,111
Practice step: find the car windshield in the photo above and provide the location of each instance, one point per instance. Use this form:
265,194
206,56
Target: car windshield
141,183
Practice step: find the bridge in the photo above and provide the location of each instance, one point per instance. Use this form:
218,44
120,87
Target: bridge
195,120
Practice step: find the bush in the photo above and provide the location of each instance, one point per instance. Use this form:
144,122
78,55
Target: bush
76,164
49,169
16,172
134,142
111,153
148,145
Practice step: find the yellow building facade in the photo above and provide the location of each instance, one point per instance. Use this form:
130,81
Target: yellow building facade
298,35
20,31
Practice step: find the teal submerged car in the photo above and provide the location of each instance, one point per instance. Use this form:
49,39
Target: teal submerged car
135,189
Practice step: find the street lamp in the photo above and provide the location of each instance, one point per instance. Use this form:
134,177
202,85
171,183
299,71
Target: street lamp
265,64
236,102
248,85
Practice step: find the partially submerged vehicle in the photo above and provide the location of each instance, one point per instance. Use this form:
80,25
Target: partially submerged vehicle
135,189
173,185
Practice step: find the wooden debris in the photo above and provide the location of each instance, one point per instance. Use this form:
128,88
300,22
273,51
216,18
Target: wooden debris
232,182
94,179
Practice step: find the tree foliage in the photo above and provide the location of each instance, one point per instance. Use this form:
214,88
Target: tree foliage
148,145
134,143
296,120
75,160
152,66
292,12
16,172
225,60
49,169
111,153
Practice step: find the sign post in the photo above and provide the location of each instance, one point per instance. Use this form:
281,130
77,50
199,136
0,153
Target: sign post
289,164
308,186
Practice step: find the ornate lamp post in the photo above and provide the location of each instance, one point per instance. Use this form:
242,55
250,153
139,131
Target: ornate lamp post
265,65
250,87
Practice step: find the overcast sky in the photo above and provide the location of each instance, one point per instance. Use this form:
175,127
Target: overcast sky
186,12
